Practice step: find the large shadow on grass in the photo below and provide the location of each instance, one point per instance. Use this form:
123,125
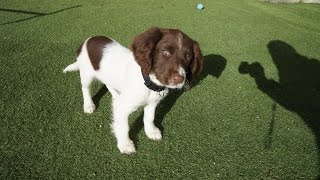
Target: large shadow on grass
298,88
213,66
35,14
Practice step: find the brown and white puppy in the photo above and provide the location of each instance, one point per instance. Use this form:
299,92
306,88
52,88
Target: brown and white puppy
160,59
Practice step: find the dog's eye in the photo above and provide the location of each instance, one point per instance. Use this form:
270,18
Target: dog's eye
165,53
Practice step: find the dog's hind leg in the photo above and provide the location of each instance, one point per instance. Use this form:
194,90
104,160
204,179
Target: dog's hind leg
88,104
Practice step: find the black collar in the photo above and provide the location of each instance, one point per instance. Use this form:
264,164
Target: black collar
151,85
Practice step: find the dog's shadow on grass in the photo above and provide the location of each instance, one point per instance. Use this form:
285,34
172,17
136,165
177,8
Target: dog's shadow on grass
213,66
298,87
98,96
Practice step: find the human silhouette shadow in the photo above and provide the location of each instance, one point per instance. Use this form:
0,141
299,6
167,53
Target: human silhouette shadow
213,66
298,88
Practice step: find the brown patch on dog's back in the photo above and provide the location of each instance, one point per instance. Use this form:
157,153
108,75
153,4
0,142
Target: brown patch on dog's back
95,46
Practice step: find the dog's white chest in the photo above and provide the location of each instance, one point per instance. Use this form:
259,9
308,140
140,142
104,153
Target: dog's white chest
155,97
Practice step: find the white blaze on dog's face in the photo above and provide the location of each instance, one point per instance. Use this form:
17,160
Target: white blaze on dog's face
168,55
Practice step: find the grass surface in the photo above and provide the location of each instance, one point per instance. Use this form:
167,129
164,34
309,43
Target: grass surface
253,113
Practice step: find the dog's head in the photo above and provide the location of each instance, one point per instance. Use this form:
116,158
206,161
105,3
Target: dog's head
169,54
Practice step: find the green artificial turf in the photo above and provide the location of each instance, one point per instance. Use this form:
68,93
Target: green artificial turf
252,114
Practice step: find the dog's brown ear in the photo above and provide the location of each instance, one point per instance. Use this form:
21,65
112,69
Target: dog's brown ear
143,46
196,64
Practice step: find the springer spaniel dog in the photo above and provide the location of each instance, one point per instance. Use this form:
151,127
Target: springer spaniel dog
159,60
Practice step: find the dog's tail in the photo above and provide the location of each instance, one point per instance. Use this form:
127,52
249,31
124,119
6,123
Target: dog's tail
71,67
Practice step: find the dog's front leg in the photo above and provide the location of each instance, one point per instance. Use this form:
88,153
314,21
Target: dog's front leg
120,126
150,129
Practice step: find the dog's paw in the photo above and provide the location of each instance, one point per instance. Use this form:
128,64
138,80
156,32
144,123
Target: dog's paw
127,148
89,109
153,133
